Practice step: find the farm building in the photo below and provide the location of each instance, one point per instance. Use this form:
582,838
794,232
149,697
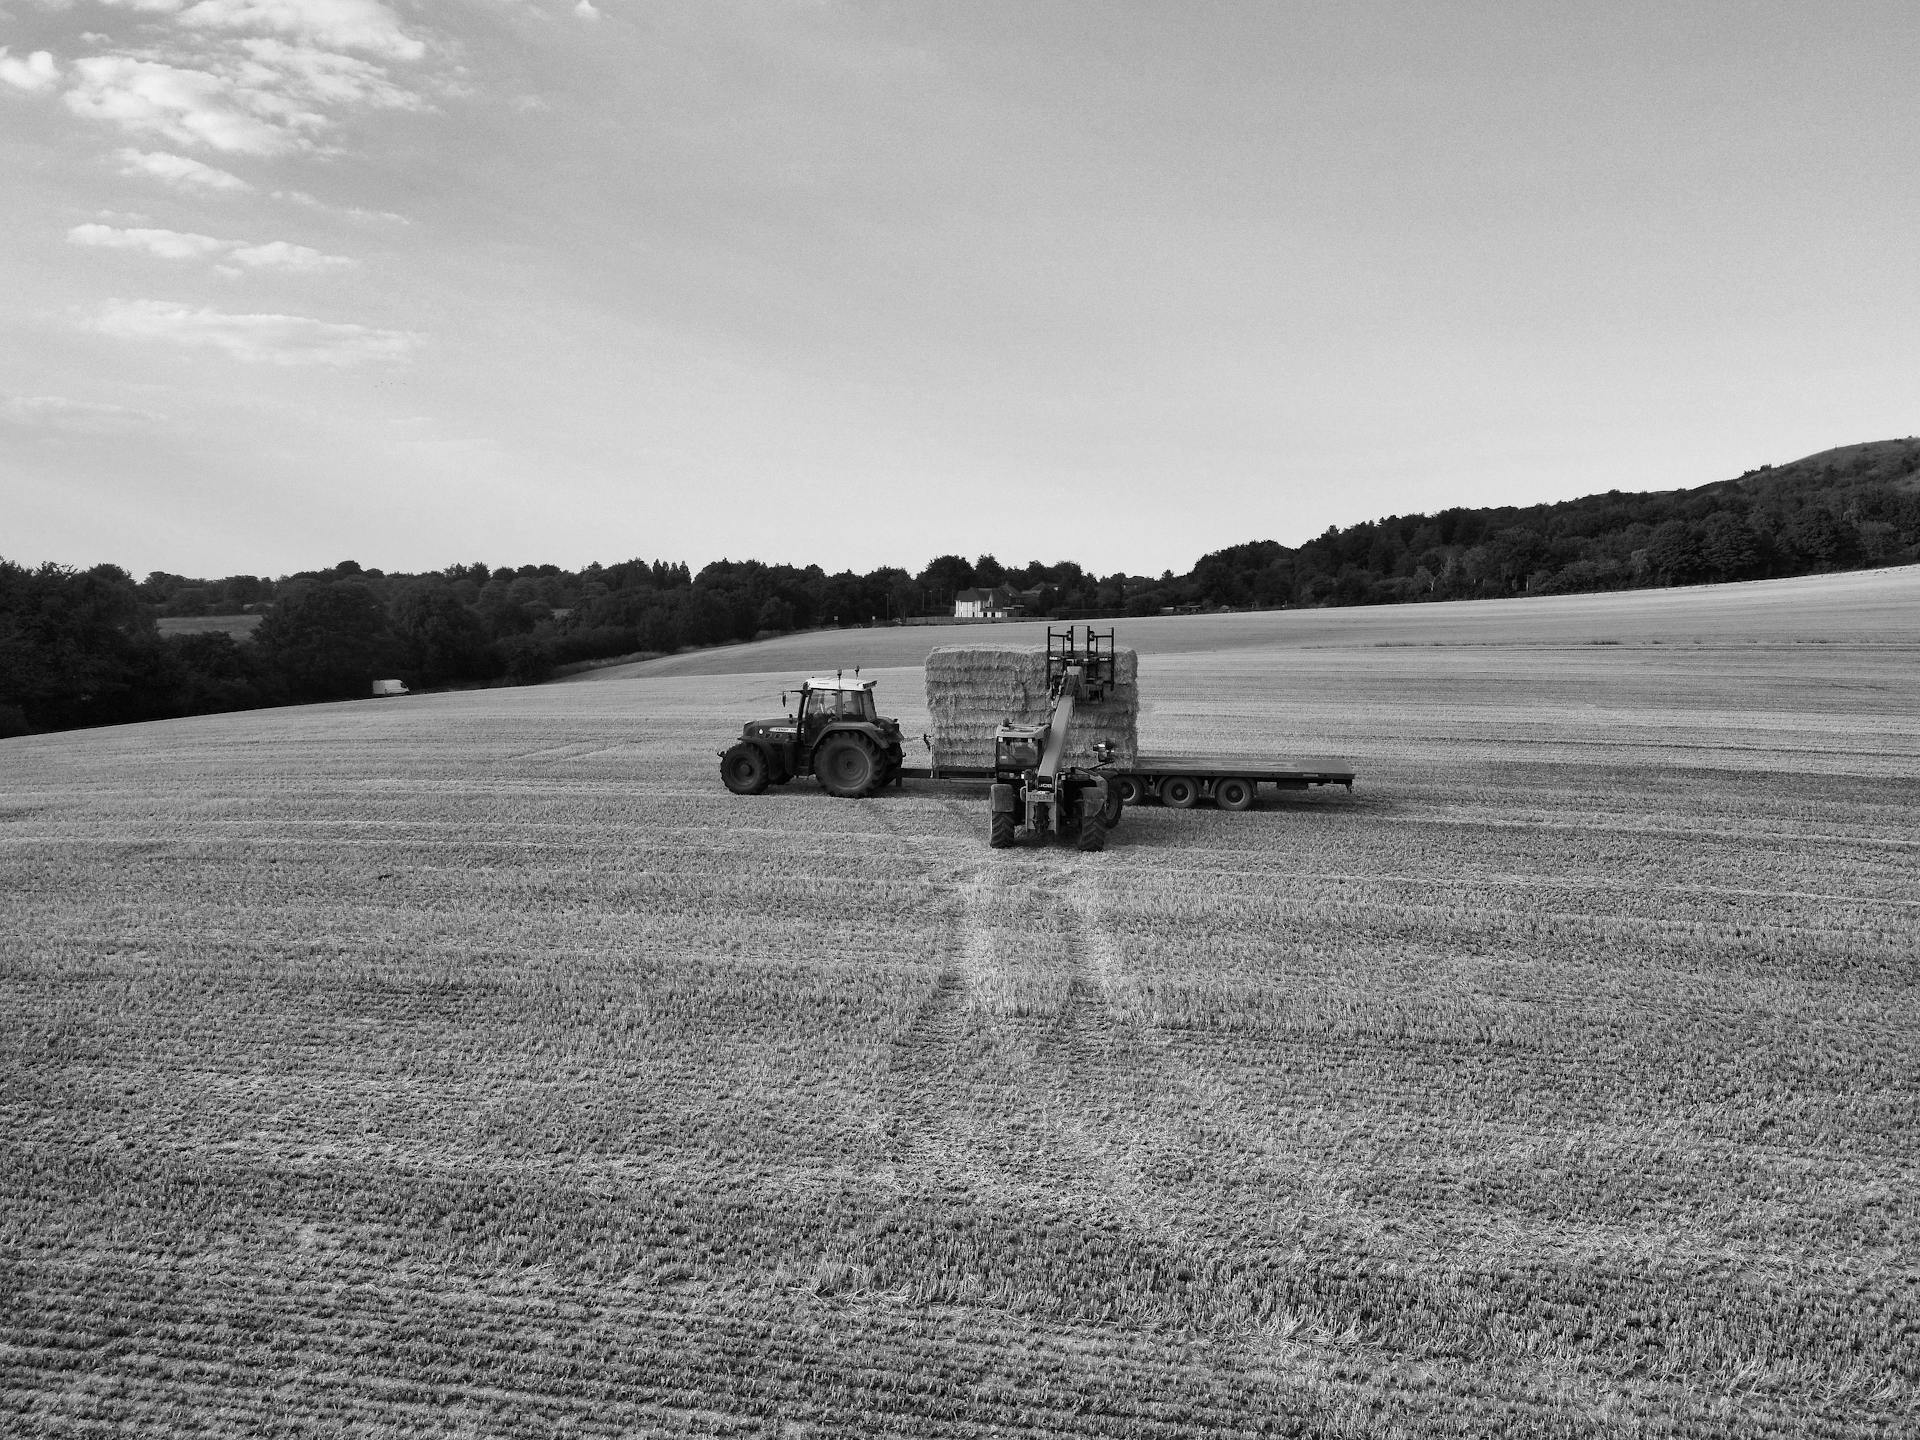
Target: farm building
998,603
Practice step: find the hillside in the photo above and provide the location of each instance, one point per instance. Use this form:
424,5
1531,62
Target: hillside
1877,462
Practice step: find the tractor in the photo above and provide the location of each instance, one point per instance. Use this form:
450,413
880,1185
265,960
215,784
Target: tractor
834,734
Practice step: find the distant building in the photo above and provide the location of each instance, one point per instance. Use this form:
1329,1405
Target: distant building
995,604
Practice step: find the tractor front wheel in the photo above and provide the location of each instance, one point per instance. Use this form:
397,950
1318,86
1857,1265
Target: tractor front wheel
847,766
743,769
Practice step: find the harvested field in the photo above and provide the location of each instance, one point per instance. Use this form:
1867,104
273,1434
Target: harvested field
475,1064
238,626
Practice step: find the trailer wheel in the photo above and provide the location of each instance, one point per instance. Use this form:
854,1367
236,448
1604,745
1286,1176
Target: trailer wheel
1234,793
1182,792
1000,834
1132,792
1115,808
846,766
743,769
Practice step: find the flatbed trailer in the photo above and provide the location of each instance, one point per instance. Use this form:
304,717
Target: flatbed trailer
1231,781
1182,781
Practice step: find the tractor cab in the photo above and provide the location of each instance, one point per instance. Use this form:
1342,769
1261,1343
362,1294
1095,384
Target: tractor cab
823,701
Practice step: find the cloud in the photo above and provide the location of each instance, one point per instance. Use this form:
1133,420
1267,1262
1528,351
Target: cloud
351,212
364,25
56,412
188,107
280,255
167,244
344,24
184,245
253,77
35,73
254,339
178,171
586,11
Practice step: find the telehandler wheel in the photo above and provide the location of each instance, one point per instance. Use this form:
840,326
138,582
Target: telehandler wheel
1093,832
1233,793
847,766
743,769
1000,835
1180,791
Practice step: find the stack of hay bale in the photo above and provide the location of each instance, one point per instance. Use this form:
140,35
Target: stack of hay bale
971,689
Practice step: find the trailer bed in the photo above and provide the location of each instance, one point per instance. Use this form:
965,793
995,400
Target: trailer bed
1281,770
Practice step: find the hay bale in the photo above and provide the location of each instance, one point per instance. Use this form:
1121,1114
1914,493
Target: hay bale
972,689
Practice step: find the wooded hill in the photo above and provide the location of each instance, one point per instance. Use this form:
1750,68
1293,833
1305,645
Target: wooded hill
83,647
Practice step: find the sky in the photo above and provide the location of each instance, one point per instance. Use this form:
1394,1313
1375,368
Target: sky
287,282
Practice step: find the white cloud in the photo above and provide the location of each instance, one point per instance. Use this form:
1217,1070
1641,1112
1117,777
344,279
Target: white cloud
351,212
363,25
178,171
253,77
320,76
167,244
254,339
189,107
184,245
586,11
56,412
280,255
35,73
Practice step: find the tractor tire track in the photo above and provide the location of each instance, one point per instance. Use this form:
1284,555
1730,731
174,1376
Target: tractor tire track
934,1136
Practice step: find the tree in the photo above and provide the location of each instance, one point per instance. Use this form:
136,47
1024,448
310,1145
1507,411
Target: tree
438,638
944,578
1673,555
78,647
329,642
1728,550
216,674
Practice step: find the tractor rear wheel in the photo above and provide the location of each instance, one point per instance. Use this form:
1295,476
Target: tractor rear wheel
847,766
1000,833
1180,791
1233,793
743,769
1093,831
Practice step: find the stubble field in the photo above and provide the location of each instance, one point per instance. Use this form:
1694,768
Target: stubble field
475,1064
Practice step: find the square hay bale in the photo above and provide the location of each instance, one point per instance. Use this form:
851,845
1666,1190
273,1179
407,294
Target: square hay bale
971,689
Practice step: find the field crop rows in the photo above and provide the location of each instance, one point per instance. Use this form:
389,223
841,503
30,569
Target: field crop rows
477,1064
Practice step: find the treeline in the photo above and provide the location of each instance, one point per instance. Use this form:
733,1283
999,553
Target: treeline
84,647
